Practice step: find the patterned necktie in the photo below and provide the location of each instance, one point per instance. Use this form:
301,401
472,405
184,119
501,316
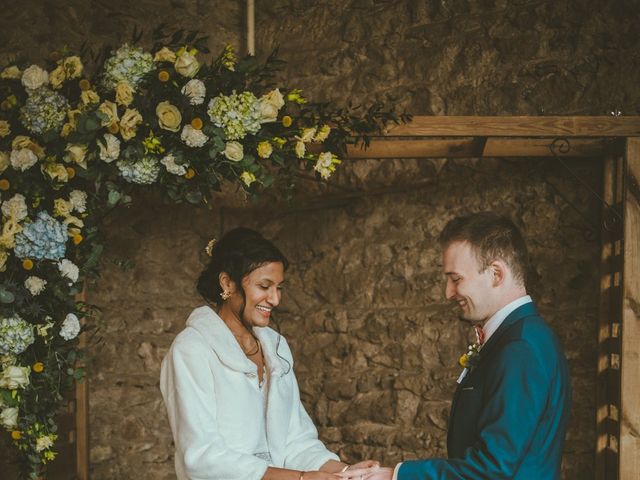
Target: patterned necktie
479,334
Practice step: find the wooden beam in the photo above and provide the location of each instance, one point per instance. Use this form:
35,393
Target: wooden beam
455,126
630,364
466,147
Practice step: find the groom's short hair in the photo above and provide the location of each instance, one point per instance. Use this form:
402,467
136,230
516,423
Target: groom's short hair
492,237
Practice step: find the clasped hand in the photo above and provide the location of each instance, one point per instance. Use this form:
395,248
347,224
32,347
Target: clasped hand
355,472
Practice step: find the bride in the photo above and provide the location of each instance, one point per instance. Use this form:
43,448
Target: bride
228,383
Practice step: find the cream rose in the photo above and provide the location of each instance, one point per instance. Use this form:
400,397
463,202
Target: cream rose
61,207
57,77
110,110
23,159
169,117
11,73
4,161
110,149
57,172
21,141
5,128
77,154
164,55
72,66
14,377
15,208
9,418
186,65
129,123
234,151
269,105
34,77
124,94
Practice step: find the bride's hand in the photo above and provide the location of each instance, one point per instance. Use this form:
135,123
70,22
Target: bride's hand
373,473
360,471
364,464
317,475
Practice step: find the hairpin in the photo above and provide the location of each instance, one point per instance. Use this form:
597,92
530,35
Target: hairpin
209,248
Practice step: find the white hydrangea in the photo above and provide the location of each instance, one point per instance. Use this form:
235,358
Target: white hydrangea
70,327
35,285
15,208
195,90
78,200
169,161
110,149
69,270
193,137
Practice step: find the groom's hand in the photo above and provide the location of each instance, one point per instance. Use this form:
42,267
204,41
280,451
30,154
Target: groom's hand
368,473
381,473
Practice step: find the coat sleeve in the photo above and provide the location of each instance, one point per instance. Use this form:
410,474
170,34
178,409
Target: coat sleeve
304,451
190,398
516,394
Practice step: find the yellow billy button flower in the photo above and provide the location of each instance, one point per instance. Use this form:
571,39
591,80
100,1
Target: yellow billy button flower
163,76
16,435
114,128
287,121
190,174
84,84
27,264
38,367
264,149
5,185
77,239
197,123
71,172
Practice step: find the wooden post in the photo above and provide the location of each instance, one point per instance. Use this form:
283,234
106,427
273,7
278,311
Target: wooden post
630,358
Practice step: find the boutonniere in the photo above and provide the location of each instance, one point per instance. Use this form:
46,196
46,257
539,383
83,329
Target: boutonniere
469,359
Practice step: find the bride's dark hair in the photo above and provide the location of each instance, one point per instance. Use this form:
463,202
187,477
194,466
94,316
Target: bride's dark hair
238,253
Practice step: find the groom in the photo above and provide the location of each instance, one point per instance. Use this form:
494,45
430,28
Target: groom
511,408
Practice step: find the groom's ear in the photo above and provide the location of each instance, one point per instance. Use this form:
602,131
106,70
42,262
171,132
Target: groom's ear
498,272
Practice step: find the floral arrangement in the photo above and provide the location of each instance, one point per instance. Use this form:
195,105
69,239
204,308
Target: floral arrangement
73,146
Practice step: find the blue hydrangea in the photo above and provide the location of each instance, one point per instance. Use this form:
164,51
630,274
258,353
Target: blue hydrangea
44,110
128,64
144,172
15,335
45,238
237,114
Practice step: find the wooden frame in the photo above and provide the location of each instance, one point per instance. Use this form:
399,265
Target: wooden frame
617,141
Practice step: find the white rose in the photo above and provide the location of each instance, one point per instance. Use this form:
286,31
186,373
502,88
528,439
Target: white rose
9,418
43,443
34,77
35,285
269,105
23,159
193,137
169,161
15,208
195,90
234,151
78,200
14,377
186,65
110,149
69,270
70,327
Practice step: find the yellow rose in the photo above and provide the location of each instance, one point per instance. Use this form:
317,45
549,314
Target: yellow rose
72,67
129,123
124,94
57,77
61,207
269,106
300,149
164,55
5,128
169,117
76,154
109,109
9,231
57,172
248,178
264,149
3,260
21,141
186,65
323,133
89,97
67,128
4,161
307,134
11,73
73,115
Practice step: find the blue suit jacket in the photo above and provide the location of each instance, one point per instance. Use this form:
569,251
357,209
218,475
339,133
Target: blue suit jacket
509,414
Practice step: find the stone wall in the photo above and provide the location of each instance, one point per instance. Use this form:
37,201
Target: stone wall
375,344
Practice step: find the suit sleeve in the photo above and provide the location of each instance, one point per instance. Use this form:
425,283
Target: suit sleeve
190,399
516,394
